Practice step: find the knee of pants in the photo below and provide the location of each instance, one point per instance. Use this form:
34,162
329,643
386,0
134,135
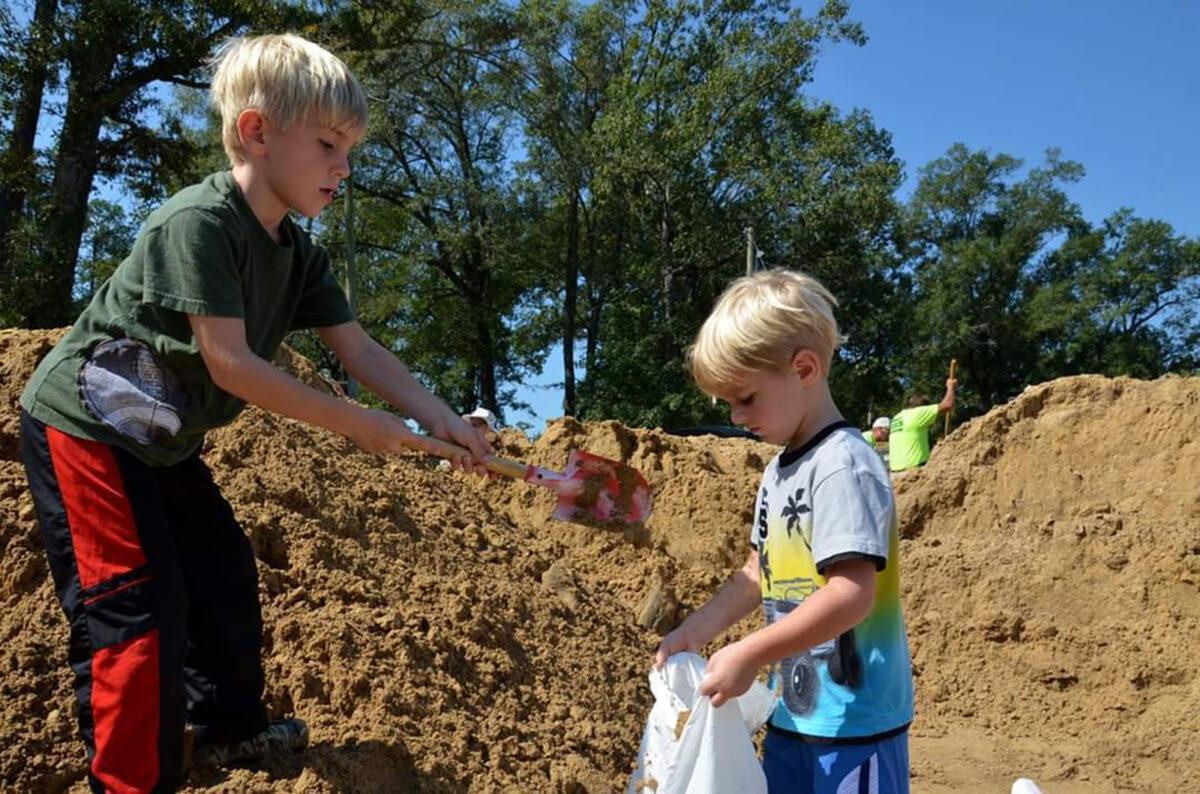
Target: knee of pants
117,611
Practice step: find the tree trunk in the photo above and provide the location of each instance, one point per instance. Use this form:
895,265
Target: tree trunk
666,267
487,362
16,164
597,297
75,162
570,297
74,170
666,330
479,299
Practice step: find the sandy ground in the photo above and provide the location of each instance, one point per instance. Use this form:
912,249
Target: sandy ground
439,633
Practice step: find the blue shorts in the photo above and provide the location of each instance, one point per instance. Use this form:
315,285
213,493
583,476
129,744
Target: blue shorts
794,766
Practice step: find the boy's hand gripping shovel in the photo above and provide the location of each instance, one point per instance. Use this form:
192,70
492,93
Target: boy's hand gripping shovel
592,489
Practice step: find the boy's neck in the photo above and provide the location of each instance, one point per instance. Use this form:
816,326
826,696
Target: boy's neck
263,202
819,414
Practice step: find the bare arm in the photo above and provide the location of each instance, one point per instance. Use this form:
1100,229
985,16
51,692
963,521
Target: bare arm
947,402
738,597
379,370
236,369
844,601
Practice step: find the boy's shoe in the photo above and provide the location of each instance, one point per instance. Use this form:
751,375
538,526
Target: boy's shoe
288,735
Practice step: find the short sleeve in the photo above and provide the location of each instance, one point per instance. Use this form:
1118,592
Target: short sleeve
322,302
758,526
189,265
924,416
852,517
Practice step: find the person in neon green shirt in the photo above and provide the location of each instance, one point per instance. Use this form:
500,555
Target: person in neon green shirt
908,437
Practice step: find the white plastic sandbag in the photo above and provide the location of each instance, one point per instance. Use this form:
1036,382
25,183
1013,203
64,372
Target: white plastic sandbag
688,746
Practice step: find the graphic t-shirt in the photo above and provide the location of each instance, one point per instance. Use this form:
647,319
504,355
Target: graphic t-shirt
826,502
908,444
203,252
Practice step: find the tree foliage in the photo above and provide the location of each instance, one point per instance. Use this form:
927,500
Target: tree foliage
553,174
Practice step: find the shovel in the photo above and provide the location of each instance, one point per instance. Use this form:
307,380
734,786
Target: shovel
591,490
953,366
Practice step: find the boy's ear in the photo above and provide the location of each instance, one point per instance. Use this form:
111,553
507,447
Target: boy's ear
806,365
252,132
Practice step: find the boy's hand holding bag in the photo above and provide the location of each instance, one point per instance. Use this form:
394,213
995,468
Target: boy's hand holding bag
691,746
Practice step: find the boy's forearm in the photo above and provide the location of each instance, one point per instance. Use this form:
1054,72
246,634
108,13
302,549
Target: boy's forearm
380,371
829,612
737,598
256,381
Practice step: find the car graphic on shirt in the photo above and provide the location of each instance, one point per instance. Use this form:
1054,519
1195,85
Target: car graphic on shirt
799,682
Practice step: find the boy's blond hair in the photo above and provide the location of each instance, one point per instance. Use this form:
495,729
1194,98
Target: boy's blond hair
759,323
289,80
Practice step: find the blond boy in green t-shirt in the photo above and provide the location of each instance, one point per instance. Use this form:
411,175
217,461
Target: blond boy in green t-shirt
155,575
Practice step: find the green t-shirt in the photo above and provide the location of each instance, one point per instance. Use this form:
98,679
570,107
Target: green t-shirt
203,252
908,442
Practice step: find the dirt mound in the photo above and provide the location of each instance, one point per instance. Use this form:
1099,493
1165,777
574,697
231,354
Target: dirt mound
1052,574
433,632
440,633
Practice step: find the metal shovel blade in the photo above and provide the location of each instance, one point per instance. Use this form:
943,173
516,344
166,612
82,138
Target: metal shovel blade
596,490
592,490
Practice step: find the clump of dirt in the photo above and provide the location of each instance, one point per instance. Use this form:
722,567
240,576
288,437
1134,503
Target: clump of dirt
440,633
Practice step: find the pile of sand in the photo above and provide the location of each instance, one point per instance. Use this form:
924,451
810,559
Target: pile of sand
1052,570
439,633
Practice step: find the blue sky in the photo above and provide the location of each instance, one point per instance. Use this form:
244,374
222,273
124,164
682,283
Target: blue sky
1114,85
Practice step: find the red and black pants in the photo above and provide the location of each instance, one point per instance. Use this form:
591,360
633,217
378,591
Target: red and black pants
159,586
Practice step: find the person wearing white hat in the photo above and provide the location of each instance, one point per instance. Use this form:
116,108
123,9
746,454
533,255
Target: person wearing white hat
877,436
482,418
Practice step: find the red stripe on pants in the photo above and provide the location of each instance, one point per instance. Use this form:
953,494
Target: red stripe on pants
98,512
125,679
125,711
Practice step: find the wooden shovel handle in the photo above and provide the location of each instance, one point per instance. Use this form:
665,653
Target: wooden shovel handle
953,366
447,450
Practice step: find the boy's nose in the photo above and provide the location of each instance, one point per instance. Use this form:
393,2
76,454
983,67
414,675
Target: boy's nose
342,168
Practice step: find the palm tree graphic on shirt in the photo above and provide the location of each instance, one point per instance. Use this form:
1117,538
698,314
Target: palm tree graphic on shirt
792,511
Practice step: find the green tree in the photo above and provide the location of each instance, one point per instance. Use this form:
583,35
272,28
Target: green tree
565,68
441,232
978,236
1121,300
113,52
25,67
107,240
704,131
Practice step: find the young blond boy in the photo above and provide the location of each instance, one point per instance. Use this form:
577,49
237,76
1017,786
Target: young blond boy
157,580
824,552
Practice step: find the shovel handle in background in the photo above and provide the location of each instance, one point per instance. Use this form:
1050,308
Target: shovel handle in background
591,489
953,366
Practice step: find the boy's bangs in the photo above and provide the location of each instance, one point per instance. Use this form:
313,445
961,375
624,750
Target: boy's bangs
720,362
340,106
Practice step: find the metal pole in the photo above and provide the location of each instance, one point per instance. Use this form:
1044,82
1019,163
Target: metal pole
751,251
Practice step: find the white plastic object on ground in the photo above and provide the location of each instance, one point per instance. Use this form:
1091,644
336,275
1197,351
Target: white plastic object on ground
690,747
1024,785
